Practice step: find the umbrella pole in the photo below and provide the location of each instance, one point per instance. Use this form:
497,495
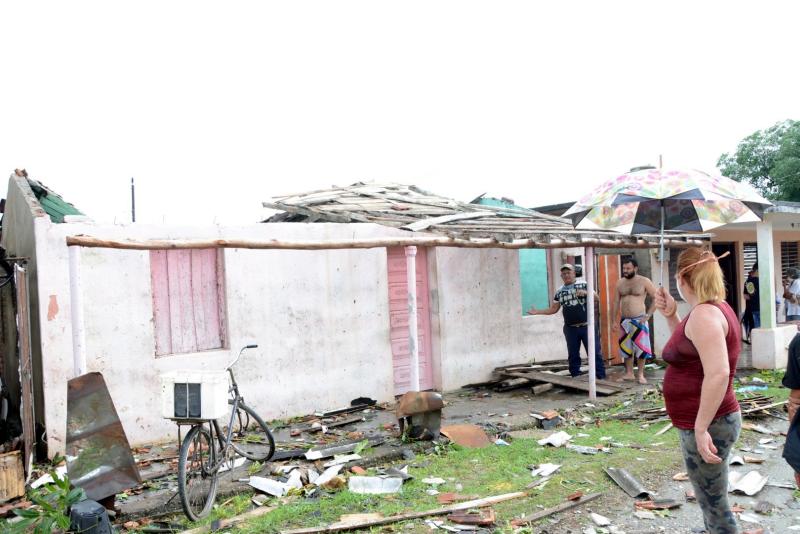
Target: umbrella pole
661,248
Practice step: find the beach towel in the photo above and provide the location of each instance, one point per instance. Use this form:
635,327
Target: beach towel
635,340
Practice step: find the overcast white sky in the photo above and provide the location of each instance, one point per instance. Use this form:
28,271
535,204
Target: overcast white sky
214,107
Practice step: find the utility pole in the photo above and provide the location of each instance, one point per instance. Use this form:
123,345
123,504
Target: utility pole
133,202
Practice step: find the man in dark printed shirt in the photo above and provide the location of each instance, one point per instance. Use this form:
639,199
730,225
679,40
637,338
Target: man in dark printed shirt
571,300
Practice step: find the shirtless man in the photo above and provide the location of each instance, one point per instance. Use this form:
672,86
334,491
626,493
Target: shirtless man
633,329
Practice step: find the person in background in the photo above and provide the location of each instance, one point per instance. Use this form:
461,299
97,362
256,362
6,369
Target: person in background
571,299
752,306
702,353
791,294
633,330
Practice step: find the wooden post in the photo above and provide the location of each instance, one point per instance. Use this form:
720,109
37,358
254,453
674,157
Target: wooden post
590,328
413,341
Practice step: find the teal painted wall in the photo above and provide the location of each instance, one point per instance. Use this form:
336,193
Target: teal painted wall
532,269
533,278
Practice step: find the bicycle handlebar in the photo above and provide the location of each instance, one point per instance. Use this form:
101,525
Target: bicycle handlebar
252,346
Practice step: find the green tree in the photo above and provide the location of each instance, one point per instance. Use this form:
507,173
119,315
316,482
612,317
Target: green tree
769,159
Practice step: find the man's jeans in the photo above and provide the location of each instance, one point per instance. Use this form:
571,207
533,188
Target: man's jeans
756,319
575,335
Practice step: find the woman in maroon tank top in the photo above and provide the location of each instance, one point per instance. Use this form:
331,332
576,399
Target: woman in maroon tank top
702,354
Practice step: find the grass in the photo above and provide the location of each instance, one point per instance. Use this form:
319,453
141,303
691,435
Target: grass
489,471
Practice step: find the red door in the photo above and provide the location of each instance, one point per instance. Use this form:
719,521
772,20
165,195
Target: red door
398,320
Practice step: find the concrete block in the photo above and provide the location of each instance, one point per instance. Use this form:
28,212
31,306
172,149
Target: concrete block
770,346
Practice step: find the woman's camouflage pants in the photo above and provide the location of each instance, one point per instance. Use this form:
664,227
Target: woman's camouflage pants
710,481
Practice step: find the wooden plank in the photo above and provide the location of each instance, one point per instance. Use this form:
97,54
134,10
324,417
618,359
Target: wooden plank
182,329
426,223
563,381
27,408
529,519
422,241
12,476
338,527
205,296
161,315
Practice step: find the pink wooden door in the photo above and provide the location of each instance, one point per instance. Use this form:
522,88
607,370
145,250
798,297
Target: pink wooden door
398,320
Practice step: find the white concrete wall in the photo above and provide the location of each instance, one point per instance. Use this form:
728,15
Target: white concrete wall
480,317
320,319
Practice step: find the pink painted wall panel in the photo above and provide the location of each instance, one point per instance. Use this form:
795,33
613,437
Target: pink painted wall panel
161,317
398,319
186,300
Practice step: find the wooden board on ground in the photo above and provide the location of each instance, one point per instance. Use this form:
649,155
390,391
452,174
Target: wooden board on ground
609,383
566,382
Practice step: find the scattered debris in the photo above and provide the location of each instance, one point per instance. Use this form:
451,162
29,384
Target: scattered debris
627,482
656,504
545,470
449,498
644,514
401,473
757,428
420,414
680,477
99,457
483,518
599,520
328,475
541,388
470,436
270,486
603,387
478,503
690,496
357,518
375,485
569,504
502,442
586,450
664,430
12,476
749,484
358,470
575,496
763,507
559,439
342,459
231,521
434,481
749,518
346,448
48,479
736,460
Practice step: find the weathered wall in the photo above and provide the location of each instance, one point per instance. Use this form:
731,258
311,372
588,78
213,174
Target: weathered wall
480,320
22,220
320,319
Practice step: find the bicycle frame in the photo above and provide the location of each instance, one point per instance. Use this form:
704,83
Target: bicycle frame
214,429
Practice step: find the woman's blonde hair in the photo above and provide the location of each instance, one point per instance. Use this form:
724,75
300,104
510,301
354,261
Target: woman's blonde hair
700,269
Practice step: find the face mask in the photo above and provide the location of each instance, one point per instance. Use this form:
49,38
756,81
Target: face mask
678,286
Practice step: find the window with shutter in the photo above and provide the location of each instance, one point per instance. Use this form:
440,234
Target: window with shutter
187,300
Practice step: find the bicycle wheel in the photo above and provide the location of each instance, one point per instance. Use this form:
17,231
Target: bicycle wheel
196,486
251,438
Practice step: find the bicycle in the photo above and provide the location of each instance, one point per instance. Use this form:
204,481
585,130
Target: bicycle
207,447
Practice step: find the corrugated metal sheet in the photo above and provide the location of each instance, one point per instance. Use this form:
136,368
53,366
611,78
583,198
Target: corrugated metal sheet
52,203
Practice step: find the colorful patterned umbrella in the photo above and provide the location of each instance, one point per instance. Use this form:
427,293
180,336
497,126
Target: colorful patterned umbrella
652,200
